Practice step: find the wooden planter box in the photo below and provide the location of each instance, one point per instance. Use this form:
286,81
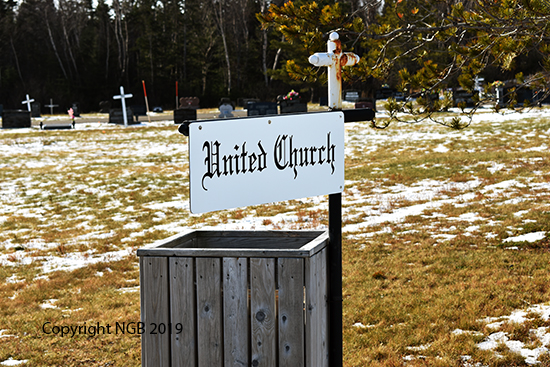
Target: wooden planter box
235,298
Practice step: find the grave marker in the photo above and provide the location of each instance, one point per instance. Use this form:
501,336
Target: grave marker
12,119
334,59
123,97
226,108
51,106
28,102
261,108
35,109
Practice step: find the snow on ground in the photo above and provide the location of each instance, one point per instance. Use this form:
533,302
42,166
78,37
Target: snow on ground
377,209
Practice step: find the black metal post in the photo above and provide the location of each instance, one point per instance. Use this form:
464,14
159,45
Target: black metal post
335,280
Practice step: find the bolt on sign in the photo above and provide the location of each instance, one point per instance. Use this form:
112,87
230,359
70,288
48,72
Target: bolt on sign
261,160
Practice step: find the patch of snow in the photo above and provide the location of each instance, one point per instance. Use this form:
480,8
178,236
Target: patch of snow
528,237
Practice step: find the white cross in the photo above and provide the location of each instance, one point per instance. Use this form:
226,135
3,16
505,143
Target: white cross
28,102
51,106
334,59
123,97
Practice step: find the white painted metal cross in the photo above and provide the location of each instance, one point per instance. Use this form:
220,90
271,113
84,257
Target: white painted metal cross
51,106
334,59
123,97
28,102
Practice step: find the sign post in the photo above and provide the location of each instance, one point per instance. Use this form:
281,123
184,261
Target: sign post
334,59
235,163
123,97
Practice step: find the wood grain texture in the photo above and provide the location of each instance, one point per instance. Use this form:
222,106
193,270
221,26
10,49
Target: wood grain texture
236,321
316,310
183,312
155,348
262,313
209,312
290,277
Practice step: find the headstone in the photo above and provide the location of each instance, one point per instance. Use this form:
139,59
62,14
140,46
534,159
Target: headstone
28,102
184,114
139,110
323,101
116,116
12,119
122,98
1,109
366,103
292,106
226,110
351,96
51,106
189,102
35,109
104,106
76,109
261,108
244,102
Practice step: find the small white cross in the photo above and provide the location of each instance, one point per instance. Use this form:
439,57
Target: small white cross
28,102
334,59
51,106
123,97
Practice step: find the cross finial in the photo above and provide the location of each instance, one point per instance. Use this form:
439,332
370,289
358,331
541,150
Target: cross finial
123,97
334,59
28,102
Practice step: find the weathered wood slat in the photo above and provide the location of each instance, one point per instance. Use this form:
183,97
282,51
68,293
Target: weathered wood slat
235,312
182,312
262,313
290,276
209,312
316,311
235,244
155,348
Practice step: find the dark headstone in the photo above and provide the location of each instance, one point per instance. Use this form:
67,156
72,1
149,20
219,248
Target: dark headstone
139,110
292,106
1,109
366,103
12,119
35,109
76,109
184,114
323,101
261,108
104,106
189,102
116,116
244,102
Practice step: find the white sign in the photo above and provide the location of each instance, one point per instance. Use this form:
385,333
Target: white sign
241,162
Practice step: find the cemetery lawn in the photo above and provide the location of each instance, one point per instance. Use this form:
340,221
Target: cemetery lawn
446,238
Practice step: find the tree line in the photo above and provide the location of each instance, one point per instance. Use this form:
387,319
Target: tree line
83,50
